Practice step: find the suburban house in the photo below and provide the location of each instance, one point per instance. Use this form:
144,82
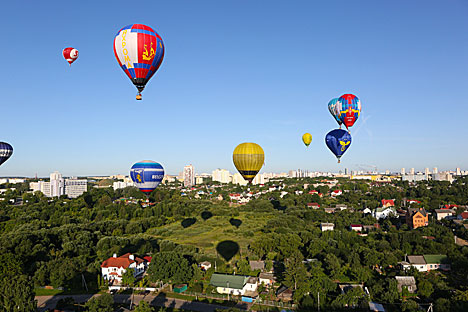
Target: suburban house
368,228
406,281
266,279
284,293
235,284
313,205
327,226
444,213
388,203
356,227
417,217
367,211
329,210
384,212
341,207
426,263
463,215
336,193
413,201
205,265
257,265
113,268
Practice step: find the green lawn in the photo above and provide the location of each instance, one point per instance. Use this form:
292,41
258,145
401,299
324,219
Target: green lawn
207,234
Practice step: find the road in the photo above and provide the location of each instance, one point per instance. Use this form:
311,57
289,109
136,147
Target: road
49,302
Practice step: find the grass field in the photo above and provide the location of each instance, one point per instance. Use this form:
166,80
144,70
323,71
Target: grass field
207,234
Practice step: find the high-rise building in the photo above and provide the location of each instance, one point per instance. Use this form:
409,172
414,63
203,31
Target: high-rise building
426,171
57,184
387,172
346,171
435,170
412,171
189,176
221,175
458,172
259,179
402,171
74,187
238,179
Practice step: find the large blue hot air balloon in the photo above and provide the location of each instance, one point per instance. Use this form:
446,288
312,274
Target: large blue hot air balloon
5,152
338,141
147,175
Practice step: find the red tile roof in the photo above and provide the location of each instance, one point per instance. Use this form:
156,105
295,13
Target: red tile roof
464,215
148,258
388,202
123,261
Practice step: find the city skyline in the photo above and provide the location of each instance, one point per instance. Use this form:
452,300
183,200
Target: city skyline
220,86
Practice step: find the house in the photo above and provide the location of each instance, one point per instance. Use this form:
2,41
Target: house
113,268
368,228
356,227
205,265
257,265
413,201
406,281
336,193
436,262
450,206
444,213
234,284
266,279
313,205
347,287
341,207
463,215
388,203
327,227
417,217
367,211
426,263
329,210
384,212
376,307
284,293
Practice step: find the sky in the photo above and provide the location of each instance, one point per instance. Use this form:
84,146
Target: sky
234,71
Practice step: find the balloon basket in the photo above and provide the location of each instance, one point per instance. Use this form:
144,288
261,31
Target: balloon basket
139,97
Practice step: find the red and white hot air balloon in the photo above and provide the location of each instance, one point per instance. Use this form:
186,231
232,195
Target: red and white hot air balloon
70,54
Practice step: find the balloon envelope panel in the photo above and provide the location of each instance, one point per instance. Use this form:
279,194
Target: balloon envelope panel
5,152
147,175
332,109
248,159
338,141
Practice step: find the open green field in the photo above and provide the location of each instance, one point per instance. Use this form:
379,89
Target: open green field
207,234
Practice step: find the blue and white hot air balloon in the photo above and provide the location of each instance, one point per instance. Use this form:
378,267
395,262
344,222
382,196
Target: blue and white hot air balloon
5,152
147,175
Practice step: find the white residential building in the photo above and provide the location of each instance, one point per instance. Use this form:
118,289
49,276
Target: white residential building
238,179
221,175
59,186
189,176
327,227
113,268
384,212
75,188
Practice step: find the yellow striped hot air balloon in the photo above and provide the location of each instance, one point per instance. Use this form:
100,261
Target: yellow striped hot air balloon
248,159
307,139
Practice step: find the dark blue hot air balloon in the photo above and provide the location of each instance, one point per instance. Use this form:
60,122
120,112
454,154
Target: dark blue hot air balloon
338,141
147,175
5,152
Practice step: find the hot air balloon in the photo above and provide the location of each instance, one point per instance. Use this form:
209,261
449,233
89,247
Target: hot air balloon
333,112
147,175
338,141
307,139
5,152
248,159
348,109
139,51
70,54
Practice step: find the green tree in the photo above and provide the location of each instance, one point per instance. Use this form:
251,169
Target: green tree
103,303
143,306
425,288
170,266
409,305
16,288
128,278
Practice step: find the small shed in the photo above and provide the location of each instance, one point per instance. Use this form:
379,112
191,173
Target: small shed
180,288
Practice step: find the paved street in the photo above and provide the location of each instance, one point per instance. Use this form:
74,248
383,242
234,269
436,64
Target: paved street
47,302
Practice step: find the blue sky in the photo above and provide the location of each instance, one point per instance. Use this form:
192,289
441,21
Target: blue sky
234,71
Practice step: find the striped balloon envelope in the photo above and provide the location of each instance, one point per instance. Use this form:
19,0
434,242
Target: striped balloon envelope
5,152
248,159
147,175
332,110
348,109
139,51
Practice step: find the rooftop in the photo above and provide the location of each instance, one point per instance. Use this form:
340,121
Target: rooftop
228,281
435,259
418,260
405,280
